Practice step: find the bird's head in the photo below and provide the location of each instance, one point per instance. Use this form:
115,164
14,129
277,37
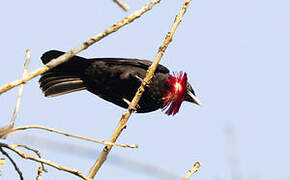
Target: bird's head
180,90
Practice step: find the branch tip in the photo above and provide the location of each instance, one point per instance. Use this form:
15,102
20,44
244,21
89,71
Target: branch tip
192,171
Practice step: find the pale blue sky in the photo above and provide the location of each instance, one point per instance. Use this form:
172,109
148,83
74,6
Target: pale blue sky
236,54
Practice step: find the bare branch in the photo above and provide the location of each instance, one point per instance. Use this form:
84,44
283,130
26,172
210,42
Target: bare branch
191,171
141,89
20,92
72,135
124,6
44,161
13,163
65,57
4,130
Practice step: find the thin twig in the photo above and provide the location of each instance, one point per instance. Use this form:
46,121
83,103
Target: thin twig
191,171
44,161
33,150
72,135
4,130
141,89
16,109
13,163
124,6
20,92
65,57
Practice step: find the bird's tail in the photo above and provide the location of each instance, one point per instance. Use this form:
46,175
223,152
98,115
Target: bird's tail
65,78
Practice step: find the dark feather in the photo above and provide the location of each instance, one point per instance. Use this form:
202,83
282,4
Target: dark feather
113,79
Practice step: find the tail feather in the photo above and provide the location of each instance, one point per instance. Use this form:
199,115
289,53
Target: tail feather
47,83
65,78
51,76
64,87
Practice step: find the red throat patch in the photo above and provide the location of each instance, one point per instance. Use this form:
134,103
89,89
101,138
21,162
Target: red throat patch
176,94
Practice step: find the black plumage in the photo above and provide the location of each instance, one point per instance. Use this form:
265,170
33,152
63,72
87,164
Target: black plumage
113,79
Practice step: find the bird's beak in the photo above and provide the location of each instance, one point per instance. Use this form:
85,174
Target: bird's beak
194,98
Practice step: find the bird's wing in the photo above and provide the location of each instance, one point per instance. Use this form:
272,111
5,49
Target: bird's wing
131,62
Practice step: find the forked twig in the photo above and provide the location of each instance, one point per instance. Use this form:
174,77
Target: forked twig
141,89
33,150
41,167
44,161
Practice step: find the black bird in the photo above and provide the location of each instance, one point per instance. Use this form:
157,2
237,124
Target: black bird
117,80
